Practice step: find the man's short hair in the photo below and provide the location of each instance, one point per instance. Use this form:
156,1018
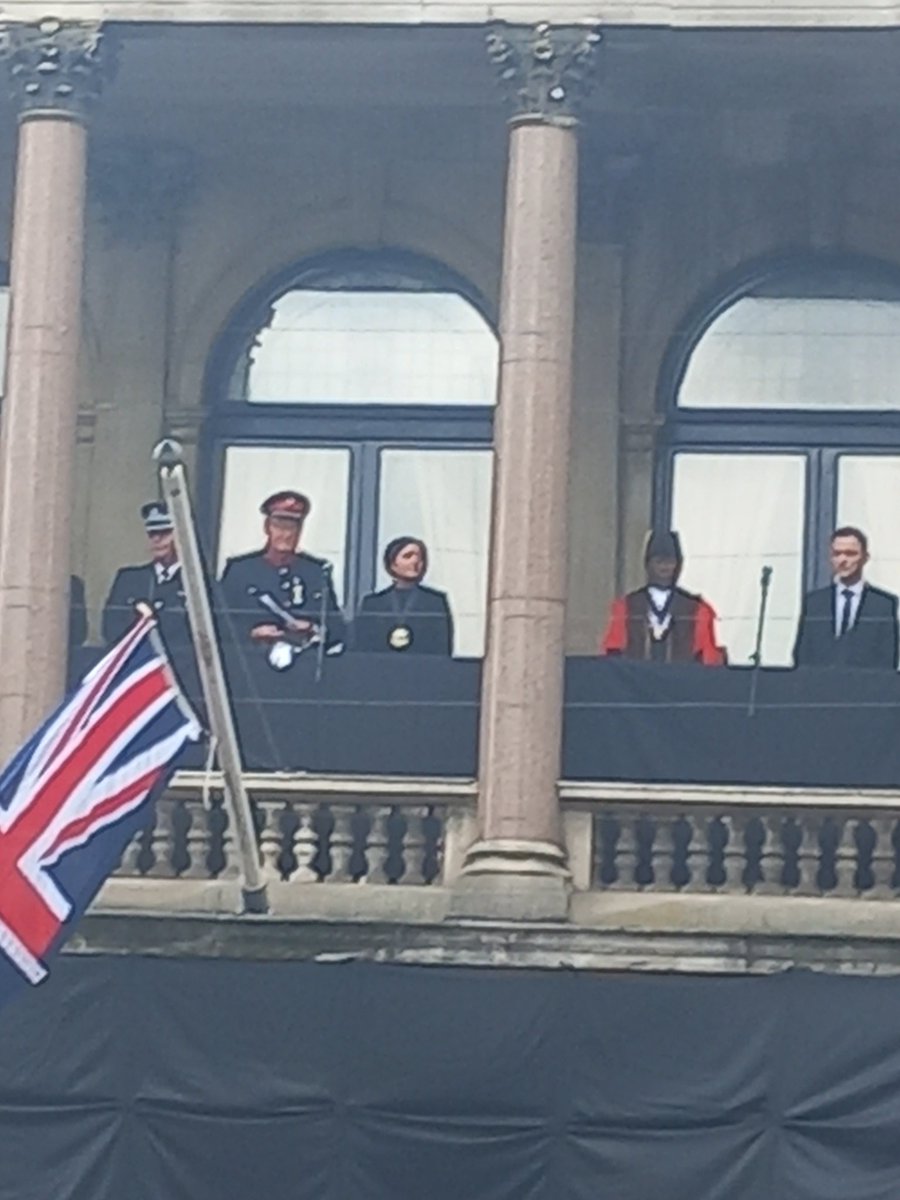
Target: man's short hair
852,531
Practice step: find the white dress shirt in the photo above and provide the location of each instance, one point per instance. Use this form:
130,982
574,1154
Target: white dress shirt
856,598
660,598
163,573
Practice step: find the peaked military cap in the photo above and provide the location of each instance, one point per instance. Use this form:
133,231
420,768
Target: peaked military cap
156,517
293,505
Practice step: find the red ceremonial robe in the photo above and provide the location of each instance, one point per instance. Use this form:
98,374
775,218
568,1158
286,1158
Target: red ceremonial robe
690,636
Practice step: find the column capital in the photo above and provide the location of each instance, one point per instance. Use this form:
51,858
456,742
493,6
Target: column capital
545,71
56,68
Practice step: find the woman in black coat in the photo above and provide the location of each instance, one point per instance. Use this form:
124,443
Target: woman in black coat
406,617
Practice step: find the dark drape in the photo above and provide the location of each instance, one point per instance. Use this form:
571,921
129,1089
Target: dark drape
216,1080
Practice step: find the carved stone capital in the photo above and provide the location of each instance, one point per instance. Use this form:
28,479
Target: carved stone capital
140,188
55,67
545,71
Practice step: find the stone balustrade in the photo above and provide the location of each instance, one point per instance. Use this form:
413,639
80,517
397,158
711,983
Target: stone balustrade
759,842
619,837
376,831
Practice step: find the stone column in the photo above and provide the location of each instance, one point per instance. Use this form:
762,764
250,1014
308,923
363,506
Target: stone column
517,868
55,73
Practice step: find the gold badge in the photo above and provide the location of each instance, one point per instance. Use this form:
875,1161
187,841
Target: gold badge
400,637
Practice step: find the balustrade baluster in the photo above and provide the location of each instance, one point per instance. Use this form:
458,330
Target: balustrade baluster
197,842
305,845
696,853
271,842
809,854
130,864
734,855
162,840
414,846
845,859
771,857
377,846
883,859
626,854
341,843
231,868
662,854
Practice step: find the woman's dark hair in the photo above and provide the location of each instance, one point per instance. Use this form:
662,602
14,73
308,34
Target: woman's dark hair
395,545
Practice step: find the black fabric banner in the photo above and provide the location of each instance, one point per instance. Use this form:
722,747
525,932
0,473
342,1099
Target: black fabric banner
152,1079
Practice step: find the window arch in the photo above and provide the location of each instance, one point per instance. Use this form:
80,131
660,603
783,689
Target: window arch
365,379
782,397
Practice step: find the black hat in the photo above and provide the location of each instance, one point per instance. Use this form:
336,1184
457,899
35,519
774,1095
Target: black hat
156,517
293,505
663,543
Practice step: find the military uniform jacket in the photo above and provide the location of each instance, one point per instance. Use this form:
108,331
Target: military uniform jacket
132,584
422,611
249,581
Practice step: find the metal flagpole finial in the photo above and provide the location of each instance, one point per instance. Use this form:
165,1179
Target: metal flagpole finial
168,453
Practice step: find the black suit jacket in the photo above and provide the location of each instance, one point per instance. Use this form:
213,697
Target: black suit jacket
424,611
872,642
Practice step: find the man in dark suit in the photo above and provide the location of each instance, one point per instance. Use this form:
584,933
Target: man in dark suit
157,583
849,623
281,598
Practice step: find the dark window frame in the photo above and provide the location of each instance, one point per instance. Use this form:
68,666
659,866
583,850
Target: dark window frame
364,429
816,433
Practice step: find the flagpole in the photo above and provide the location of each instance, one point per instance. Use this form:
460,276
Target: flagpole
168,457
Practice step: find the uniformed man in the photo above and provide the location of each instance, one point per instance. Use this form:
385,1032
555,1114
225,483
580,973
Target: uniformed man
157,583
662,622
281,598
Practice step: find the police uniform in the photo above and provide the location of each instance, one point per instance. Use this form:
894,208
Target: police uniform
153,583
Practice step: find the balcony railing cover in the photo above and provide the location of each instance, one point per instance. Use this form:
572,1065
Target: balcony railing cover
634,722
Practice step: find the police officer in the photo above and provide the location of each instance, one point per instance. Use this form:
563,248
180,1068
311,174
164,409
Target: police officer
281,598
157,583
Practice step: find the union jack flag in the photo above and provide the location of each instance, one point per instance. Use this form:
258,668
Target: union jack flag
73,797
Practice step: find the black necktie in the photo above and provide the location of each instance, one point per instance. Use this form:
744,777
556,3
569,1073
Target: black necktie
846,611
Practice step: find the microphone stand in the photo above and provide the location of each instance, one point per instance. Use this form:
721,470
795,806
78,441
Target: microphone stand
323,620
756,657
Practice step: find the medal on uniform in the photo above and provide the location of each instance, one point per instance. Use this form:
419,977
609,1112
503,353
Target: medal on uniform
297,592
400,637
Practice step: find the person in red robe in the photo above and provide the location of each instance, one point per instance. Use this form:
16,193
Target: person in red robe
662,622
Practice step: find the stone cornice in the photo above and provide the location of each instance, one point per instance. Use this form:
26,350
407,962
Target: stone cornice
545,71
56,68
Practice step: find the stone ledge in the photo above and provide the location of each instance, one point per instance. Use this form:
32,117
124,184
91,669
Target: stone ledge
730,15
696,934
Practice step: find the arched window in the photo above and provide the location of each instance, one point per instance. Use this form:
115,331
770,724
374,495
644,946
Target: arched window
367,381
783,421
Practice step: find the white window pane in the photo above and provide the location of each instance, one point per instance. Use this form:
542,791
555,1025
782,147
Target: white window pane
374,348
254,472
444,498
869,498
737,513
782,352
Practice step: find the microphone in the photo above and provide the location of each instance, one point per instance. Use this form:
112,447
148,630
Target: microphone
765,579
